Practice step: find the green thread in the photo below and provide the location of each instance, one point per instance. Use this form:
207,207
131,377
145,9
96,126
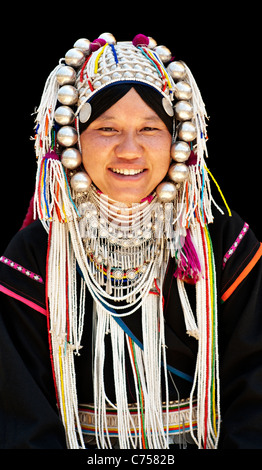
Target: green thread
140,394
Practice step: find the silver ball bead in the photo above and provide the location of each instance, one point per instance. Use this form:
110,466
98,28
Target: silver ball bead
177,70
66,76
64,115
164,53
108,37
183,91
180,151
166,191
80,182
71,158
67,136
183,111
187,131
178,173
83,45
74,57
67,95
152,43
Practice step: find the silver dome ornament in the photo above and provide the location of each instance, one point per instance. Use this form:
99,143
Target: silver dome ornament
85,113
67,136
168,107
177,70
183,111
152,43
64,116
66,75
80,182
180,152
74,57
83,45
71,158
166,191
178,172
108,37
183,91
67,95
164,53
187,131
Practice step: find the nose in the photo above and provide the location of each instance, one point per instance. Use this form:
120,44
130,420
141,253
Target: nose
129,148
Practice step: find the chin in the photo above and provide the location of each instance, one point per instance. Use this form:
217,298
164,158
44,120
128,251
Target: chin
125,199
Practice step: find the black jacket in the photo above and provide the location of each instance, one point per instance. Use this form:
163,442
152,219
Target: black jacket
28,411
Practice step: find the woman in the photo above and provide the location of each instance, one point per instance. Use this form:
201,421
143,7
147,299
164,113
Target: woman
127,265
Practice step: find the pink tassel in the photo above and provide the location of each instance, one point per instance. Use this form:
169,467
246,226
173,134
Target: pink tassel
140,40
189,267
96,44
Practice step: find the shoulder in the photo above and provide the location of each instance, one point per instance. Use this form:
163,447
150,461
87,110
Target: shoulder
236,248
33,237
229,232
23,264
28,246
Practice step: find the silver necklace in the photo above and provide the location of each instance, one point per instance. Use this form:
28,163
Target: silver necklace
124,246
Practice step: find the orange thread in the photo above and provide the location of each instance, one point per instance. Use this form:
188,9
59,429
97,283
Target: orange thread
243,275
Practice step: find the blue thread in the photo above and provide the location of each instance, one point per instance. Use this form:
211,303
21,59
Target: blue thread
69,194
202,191
152,62
122,324
46,203
181,374
114,52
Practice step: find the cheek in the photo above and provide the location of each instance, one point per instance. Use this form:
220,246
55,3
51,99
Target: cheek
90,152
162,157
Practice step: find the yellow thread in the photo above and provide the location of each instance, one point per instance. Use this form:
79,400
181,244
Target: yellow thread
62,385
220,191
98,57
163,70
211,273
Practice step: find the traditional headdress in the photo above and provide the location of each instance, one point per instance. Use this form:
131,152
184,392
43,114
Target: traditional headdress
122,263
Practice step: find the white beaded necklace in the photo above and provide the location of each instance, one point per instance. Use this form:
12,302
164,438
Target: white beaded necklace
123,247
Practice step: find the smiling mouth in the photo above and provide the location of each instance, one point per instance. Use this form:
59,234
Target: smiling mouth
127,172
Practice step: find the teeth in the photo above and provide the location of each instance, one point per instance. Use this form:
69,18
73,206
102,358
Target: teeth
127,172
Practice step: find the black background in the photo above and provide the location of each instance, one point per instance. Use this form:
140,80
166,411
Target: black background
221,47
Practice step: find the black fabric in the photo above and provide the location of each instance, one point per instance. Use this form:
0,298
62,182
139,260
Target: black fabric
107,97
28,411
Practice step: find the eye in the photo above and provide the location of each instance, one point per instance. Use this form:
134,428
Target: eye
149,129
107,129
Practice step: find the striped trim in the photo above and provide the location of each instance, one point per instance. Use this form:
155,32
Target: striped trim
25,301
21,269
243,275
179,419
235,245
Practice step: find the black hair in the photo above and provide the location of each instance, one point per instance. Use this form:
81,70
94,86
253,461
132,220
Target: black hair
107,97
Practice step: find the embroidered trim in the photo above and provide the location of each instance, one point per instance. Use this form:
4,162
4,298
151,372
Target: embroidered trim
235,245
21,269
243,275
27,302
179,419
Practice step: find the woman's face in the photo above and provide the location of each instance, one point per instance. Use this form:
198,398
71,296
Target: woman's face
126,150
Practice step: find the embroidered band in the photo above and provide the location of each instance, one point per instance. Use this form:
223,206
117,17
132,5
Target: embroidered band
233,248
25,301
179,418
21,269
